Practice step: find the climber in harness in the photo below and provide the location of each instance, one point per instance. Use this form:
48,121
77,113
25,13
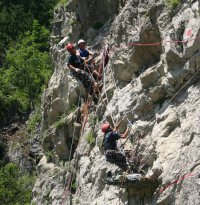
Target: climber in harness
88,59
76,66
113,155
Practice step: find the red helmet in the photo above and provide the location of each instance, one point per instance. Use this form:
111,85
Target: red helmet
104,127
69,46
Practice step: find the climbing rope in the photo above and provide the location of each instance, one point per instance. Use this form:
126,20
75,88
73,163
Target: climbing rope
68,186
103,64
85,112
70,154
155,44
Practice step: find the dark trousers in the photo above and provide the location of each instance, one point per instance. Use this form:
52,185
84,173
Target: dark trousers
116,157
86,80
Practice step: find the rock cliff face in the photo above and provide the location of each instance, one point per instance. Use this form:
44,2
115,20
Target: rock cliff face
152,80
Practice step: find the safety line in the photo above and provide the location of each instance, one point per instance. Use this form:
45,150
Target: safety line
67,187
82,131
71,175
74,129
154,44
163,42
104,82
122,145
76,160
175,182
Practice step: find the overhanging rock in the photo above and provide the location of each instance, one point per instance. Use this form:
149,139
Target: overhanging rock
136,184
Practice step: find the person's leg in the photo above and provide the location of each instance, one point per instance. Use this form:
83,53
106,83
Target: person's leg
89,85
115,157
120,161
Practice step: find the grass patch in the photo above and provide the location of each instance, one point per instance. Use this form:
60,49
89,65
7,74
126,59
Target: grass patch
72,108
33,121
90,138
61,3
74,186
173,3
49,155
60,122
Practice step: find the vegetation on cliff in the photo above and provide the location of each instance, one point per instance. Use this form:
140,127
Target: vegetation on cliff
25,65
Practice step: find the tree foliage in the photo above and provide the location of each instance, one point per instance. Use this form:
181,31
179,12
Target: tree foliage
15,187
25,64
16,17
26,70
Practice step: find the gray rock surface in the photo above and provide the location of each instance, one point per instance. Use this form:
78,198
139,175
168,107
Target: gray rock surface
141,83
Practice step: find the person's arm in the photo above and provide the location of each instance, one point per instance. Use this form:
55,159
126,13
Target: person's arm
123,136
88,60
117,126
72,68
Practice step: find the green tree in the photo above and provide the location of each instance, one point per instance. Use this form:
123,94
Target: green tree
16,17
26,70
15,187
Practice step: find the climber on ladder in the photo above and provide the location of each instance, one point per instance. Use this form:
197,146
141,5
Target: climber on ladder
75,64
113,155
88,59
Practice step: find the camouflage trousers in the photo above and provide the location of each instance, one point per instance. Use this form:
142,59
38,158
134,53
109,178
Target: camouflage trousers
86,80
116,157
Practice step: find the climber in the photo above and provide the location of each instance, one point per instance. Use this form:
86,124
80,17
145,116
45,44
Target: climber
88,59
75,64
113,155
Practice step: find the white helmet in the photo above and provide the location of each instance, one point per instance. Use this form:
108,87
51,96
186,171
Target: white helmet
81,41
